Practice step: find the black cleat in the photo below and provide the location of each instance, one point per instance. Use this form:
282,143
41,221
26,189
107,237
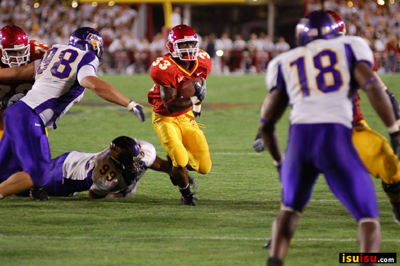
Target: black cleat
189,200
268,244
39,194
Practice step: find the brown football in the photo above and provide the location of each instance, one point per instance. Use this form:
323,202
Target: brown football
186,89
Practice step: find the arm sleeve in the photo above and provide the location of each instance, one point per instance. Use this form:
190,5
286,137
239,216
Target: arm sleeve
86,71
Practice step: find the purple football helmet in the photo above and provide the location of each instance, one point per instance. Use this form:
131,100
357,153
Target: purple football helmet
86,38
127,156
316,25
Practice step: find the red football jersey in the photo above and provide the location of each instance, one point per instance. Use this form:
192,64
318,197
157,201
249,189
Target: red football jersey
166,72
8,89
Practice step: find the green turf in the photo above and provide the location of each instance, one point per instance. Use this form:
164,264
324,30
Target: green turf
238,199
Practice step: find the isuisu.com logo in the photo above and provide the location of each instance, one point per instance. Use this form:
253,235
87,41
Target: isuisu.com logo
367,258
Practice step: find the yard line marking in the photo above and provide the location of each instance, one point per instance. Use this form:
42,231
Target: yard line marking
191,238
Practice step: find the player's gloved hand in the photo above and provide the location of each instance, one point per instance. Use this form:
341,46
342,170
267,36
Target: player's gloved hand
200,92
7,102
137,110
258,143
395,141
15,98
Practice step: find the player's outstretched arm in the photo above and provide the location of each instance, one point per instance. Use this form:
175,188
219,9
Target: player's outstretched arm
109,93
26,72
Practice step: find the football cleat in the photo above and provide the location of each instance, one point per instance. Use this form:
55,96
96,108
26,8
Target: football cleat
189,200
39,194
268,244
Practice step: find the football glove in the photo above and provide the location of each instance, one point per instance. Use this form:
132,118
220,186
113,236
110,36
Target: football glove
258,143
395,141
137,110
200,92
7,102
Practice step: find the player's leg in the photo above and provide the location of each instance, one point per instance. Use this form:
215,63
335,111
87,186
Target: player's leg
369,235
195,142
168,130
298,176
30,148
56,185
349,180
283,229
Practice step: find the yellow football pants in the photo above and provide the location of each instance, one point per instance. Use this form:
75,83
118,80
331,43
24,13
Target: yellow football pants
376,153
183,140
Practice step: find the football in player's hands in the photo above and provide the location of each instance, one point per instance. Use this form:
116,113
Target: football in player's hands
186,89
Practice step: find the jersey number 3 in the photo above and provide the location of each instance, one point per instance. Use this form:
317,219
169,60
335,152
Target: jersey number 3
328,77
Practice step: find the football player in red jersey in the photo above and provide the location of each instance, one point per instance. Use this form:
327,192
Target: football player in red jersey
16,50
173,119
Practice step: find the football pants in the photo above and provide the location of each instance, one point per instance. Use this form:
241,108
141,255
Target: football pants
376,153
183,140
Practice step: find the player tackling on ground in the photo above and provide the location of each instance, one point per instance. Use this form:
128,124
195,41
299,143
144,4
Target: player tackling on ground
173,120
319,80
61,78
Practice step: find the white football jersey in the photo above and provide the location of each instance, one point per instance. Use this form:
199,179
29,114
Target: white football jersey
318,79
100,168
56,88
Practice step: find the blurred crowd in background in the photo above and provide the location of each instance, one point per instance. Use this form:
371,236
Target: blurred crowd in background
378,24
50,22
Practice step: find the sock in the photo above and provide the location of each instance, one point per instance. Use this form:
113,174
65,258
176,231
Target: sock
185,191
273,261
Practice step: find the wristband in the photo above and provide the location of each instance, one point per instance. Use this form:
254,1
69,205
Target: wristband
393,128
130,105
372,79
265,121
197,108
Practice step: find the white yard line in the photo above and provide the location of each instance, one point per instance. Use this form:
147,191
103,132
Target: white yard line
232,238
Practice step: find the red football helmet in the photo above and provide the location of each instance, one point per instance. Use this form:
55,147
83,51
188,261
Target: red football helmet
339,22
14,45
183,43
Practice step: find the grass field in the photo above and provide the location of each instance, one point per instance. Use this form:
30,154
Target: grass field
238,199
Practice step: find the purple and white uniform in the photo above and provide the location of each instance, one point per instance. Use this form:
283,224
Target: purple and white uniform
318,81
78,171
24,146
